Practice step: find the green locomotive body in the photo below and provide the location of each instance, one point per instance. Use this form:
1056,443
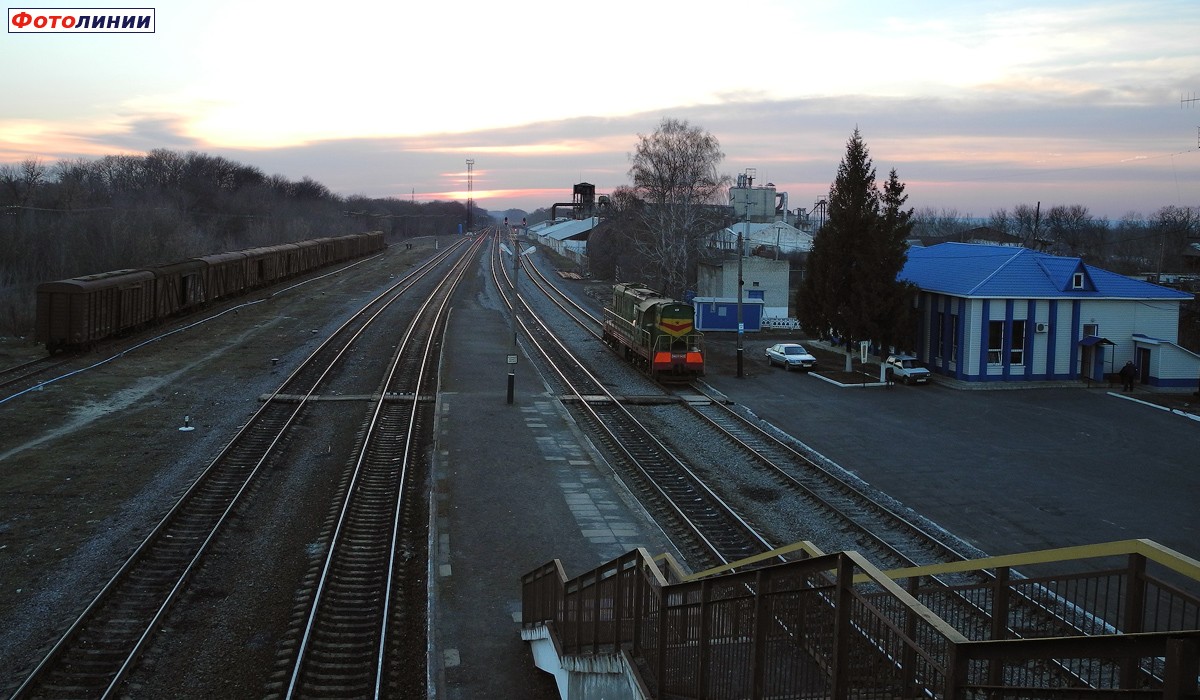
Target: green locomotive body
654,332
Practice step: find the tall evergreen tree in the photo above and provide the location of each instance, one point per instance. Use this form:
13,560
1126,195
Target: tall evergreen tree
895,299
851,288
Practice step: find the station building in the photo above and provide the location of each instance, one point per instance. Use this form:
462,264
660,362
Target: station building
990,313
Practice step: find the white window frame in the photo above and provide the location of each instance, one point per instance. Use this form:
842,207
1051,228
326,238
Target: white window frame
1016,355
995,353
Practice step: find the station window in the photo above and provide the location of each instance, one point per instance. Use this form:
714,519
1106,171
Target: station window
995,342
954,337
1016,354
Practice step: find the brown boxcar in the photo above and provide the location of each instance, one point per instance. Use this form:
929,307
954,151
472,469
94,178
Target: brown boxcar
312,254
269,264
371,243
80,311
178,287
293,260
224,274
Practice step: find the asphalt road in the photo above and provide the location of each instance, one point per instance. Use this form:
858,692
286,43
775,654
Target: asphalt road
1006,470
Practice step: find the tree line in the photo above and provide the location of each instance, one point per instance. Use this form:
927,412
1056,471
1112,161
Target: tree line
80,216
1135,244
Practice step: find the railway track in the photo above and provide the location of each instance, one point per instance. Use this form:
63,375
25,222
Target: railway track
360,637
714,531
891,539
20,374
100,648
895,541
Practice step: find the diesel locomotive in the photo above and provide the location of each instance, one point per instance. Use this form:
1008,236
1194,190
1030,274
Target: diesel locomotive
655,333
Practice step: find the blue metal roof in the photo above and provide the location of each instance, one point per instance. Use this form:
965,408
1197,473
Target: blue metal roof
994,271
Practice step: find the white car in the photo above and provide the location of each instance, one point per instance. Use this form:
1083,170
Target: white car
790,356
906,368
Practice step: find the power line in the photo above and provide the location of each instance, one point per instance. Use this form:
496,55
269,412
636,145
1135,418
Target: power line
1030,172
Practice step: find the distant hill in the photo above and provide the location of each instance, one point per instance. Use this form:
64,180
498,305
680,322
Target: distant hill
514,215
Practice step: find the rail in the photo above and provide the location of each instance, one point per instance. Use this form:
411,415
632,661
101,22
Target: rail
835,626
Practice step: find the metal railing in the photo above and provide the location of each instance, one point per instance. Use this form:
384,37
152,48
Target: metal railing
799,627
835,626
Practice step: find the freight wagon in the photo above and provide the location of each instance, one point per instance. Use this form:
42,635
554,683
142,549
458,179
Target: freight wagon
77,313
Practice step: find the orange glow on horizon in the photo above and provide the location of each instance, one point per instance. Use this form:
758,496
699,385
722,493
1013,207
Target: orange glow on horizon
23,138
555,148
461,195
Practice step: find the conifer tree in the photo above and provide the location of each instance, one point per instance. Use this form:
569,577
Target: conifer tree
851,290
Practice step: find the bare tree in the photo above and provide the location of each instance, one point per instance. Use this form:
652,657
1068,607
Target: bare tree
1001,220
1069,227
1176,227
611,249
1027,224
674,171
21,182
943,223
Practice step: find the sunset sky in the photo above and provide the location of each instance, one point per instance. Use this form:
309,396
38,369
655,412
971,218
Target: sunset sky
977,105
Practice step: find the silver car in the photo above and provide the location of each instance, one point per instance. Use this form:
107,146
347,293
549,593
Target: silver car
907,369
790,356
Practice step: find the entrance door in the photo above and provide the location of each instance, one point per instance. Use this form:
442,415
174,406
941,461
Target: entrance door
1143,363
1088,361
1092,360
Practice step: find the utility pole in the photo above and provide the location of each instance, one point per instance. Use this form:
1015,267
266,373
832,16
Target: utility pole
470,195
741,326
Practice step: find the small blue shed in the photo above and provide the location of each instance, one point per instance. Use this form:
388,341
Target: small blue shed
720,314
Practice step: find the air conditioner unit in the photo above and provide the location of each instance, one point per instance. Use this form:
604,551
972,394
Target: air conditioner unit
1040,327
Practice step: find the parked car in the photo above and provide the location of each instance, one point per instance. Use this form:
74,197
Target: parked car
906,368
790,356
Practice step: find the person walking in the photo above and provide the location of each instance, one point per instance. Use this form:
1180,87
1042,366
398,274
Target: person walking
1128,372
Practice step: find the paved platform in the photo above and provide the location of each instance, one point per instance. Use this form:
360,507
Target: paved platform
514,489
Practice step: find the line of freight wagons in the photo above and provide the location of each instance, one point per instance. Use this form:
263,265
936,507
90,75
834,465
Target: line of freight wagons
76,313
